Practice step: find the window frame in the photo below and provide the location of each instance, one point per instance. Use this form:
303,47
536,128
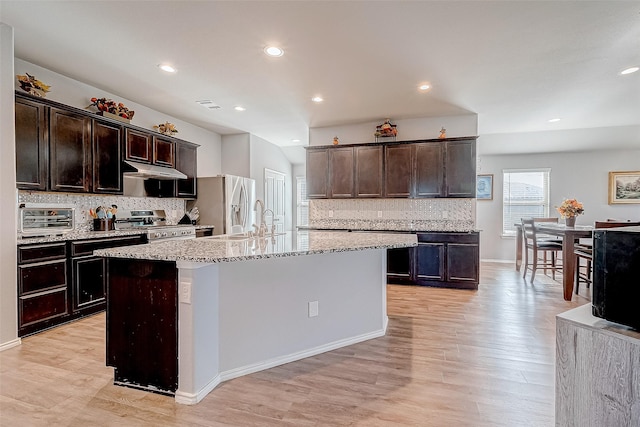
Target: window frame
509,230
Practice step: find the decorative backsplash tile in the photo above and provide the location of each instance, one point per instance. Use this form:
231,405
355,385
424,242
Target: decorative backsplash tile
393,214
174,208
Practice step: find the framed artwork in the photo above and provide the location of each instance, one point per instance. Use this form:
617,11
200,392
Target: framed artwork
624,187
484,187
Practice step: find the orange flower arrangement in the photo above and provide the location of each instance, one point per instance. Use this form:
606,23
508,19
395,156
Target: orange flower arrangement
570,208
110,106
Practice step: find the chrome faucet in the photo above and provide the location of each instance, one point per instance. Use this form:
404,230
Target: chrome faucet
261,230
273,224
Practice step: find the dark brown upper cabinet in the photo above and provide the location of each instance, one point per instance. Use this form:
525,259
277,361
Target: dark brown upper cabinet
429,170
410,169
163,152
32,144
398,171
69,151
187,163
369,171
318,173
341,173
107,157
138,146
460,169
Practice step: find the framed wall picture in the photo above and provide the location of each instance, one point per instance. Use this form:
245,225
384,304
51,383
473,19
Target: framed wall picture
484,187
624,187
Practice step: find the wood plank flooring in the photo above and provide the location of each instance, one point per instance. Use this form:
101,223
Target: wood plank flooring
450,358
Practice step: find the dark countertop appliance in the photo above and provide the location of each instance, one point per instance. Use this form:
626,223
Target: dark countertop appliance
616,275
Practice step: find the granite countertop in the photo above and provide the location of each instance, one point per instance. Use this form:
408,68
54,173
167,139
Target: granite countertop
218,249
305,227
77,235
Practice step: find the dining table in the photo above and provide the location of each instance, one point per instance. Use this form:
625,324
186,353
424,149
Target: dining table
569,236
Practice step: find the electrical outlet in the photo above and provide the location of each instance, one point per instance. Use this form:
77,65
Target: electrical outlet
330,214
445,214
185,292
379,214
313,308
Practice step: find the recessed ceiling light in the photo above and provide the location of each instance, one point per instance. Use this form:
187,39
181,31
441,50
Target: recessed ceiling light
554,120
629,70
168,68
273,51
295,140
424,87
239,108
317,99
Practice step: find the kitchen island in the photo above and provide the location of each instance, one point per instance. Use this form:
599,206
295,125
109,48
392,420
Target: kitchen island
183,316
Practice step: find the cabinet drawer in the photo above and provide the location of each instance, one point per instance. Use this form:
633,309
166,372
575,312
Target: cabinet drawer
43,306
86,247
39,253
41,276
449,237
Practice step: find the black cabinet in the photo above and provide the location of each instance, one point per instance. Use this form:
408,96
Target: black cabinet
107,158
187,163
32,144
42,287
441,259
163,152
69,151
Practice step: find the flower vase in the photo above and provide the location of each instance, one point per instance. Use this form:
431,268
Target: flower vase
570,221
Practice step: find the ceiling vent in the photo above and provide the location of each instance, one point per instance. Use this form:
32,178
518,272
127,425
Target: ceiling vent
207,103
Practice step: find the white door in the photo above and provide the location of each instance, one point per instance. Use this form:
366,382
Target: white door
274,198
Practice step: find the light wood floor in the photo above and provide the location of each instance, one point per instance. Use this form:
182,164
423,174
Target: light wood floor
450,358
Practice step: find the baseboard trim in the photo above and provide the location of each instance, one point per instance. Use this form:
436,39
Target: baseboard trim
10,344
277,361
193,398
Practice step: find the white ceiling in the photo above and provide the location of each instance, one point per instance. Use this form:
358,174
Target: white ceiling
516,64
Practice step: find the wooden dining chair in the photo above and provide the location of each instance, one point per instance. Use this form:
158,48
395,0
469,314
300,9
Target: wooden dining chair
584,251
538,248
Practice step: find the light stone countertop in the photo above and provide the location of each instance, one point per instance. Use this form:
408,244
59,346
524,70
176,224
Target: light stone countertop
215,249
24,239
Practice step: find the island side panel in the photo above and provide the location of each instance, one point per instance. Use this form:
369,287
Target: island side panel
264,307
142,322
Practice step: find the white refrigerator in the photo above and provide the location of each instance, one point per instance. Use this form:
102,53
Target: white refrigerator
226,202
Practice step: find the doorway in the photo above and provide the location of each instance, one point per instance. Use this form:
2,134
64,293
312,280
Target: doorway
274,198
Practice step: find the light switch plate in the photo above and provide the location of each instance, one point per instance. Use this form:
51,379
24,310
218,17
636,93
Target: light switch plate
185,292
313,308
330,214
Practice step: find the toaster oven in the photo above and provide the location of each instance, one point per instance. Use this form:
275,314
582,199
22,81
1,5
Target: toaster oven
46,219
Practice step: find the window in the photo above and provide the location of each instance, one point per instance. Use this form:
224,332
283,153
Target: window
525,194
302,210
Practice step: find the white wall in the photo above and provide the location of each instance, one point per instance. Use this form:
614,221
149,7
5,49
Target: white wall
76,94
236,155
8,194
580,175
408,129
266,155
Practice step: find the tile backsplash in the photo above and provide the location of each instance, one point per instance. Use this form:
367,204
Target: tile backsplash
174,208
393,214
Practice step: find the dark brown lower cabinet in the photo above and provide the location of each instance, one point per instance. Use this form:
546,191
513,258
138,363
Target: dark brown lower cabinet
63,281
42,287
142,324
441,259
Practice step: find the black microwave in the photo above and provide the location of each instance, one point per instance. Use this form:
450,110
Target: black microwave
616,275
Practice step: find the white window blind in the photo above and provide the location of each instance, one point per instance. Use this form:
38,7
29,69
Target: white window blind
525,194
302,210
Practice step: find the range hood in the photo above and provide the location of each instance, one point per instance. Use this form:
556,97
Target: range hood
143,170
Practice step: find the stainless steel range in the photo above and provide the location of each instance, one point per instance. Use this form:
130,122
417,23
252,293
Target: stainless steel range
154,222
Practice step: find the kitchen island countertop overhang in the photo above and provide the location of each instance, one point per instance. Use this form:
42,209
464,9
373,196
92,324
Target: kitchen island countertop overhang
184,316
